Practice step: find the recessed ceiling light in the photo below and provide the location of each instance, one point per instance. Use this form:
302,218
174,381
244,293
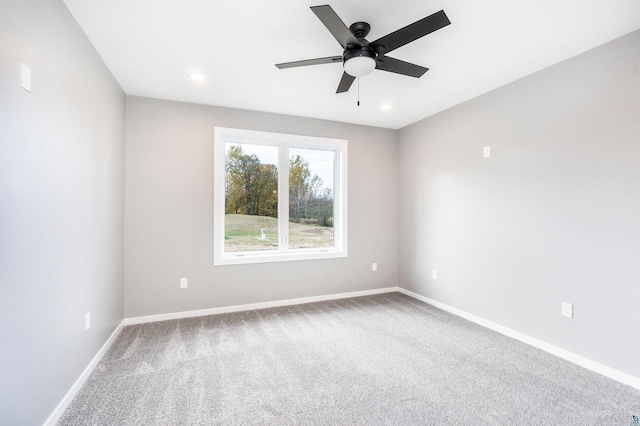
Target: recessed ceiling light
386,106
197,77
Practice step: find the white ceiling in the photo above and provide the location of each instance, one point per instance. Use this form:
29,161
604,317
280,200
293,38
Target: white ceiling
152,46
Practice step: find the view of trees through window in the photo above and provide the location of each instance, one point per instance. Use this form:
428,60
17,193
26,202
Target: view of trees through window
310,198
251,198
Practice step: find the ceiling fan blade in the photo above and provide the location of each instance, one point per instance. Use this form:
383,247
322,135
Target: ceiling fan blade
410,33
335,26
386,63
345,83
317,61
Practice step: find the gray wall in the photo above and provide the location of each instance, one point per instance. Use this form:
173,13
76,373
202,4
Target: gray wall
552,216
61,211
169,212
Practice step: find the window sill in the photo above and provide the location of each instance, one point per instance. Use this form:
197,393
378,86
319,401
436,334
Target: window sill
262,257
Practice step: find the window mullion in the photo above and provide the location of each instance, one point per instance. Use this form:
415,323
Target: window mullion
337,159
283,197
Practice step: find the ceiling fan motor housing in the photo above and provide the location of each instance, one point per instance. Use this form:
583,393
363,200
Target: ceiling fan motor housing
364,51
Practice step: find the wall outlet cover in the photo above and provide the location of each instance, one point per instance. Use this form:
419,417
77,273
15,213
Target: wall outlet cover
567,310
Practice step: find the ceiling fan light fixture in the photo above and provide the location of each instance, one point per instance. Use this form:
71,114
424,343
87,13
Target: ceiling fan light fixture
359,62
359,66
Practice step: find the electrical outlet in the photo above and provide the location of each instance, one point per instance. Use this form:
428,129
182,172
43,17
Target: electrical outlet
567,310
183,283
486,152
87,321
374,267
434,274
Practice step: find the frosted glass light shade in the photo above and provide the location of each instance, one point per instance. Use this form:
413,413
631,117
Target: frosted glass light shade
359,66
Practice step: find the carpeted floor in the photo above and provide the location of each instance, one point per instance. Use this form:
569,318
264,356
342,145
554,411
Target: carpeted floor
385,359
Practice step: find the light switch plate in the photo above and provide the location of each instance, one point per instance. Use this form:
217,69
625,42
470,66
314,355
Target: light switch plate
26,78
183,283
486,152
567,310
434,274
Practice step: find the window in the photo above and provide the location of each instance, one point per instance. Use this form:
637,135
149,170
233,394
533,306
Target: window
278,197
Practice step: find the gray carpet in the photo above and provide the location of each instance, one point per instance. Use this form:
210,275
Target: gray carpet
385,359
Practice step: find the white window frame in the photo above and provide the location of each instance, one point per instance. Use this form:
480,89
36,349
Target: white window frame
224,135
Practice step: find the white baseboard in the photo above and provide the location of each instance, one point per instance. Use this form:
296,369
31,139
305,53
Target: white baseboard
607,371
254,306
59,410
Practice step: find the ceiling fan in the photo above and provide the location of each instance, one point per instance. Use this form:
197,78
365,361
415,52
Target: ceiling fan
360,57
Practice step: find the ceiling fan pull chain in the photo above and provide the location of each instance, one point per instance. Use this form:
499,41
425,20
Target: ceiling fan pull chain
358,91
